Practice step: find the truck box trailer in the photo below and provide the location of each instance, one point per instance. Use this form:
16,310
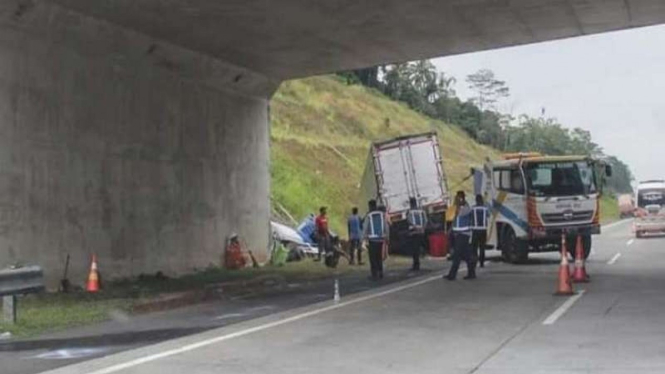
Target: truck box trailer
402,168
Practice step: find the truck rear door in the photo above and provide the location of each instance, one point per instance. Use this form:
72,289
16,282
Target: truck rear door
397,182
411,167
426,172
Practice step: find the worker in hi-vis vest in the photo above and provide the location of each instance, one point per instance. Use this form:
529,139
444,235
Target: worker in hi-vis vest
417,222
376,234
462,239
479,218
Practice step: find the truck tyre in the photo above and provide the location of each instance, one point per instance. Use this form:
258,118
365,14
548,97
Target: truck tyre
571,244
513,250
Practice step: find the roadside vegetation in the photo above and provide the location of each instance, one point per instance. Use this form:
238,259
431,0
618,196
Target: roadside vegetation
609,208
49,312
321,129
424,89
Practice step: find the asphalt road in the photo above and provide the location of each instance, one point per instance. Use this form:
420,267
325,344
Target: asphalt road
507,321
124,332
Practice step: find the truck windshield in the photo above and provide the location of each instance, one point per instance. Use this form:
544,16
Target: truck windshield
560,178
650,196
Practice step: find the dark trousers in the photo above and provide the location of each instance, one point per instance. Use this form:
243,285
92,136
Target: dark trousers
354,245
478,241
462,252
416,243
376,258
323,241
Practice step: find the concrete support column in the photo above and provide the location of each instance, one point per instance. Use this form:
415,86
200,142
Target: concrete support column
147,154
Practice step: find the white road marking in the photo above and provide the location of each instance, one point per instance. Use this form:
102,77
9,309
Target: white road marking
630,242
70,353
260,308
204,343
230,315
563,309
614,259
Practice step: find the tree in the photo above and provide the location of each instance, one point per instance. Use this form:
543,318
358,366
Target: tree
622,178
487,88
423,77
367,77
446,85
422,88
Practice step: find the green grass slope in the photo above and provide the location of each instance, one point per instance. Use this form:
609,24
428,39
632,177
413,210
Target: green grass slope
321,130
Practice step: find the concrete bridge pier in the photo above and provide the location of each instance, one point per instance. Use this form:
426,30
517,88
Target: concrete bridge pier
115,143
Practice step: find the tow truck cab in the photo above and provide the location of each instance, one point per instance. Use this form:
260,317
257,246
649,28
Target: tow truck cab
534,199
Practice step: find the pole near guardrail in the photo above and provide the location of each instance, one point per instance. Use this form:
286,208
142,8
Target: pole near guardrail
9,309
18,281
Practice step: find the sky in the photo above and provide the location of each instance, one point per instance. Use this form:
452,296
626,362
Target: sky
611,84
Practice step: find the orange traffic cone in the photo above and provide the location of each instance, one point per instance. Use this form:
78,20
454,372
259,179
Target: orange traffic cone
580,275
565,286
93,277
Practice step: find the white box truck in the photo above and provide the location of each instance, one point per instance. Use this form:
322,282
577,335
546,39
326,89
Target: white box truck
399,169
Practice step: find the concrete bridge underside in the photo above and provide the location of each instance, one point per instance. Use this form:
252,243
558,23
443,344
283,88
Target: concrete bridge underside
138,129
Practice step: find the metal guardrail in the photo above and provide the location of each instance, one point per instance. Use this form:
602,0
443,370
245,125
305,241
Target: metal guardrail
18,281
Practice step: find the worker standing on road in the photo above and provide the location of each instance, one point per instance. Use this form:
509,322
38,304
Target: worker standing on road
375,232
355,225
417,221
322,233
479,230
462,239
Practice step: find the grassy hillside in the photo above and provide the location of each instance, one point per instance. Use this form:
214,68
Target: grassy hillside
321,130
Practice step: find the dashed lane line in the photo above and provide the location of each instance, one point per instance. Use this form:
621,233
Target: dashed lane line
614,259
563,309
229,316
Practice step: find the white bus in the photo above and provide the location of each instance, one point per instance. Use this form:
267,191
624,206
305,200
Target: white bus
650,210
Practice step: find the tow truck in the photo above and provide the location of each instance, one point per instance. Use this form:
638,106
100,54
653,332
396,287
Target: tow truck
536,199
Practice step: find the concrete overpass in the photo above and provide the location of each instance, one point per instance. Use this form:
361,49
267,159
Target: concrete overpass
138,129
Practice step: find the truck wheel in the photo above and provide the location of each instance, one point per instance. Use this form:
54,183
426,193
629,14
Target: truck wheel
571,244
513,250
638,234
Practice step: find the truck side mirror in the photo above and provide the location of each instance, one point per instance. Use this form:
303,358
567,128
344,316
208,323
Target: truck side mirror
608,170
